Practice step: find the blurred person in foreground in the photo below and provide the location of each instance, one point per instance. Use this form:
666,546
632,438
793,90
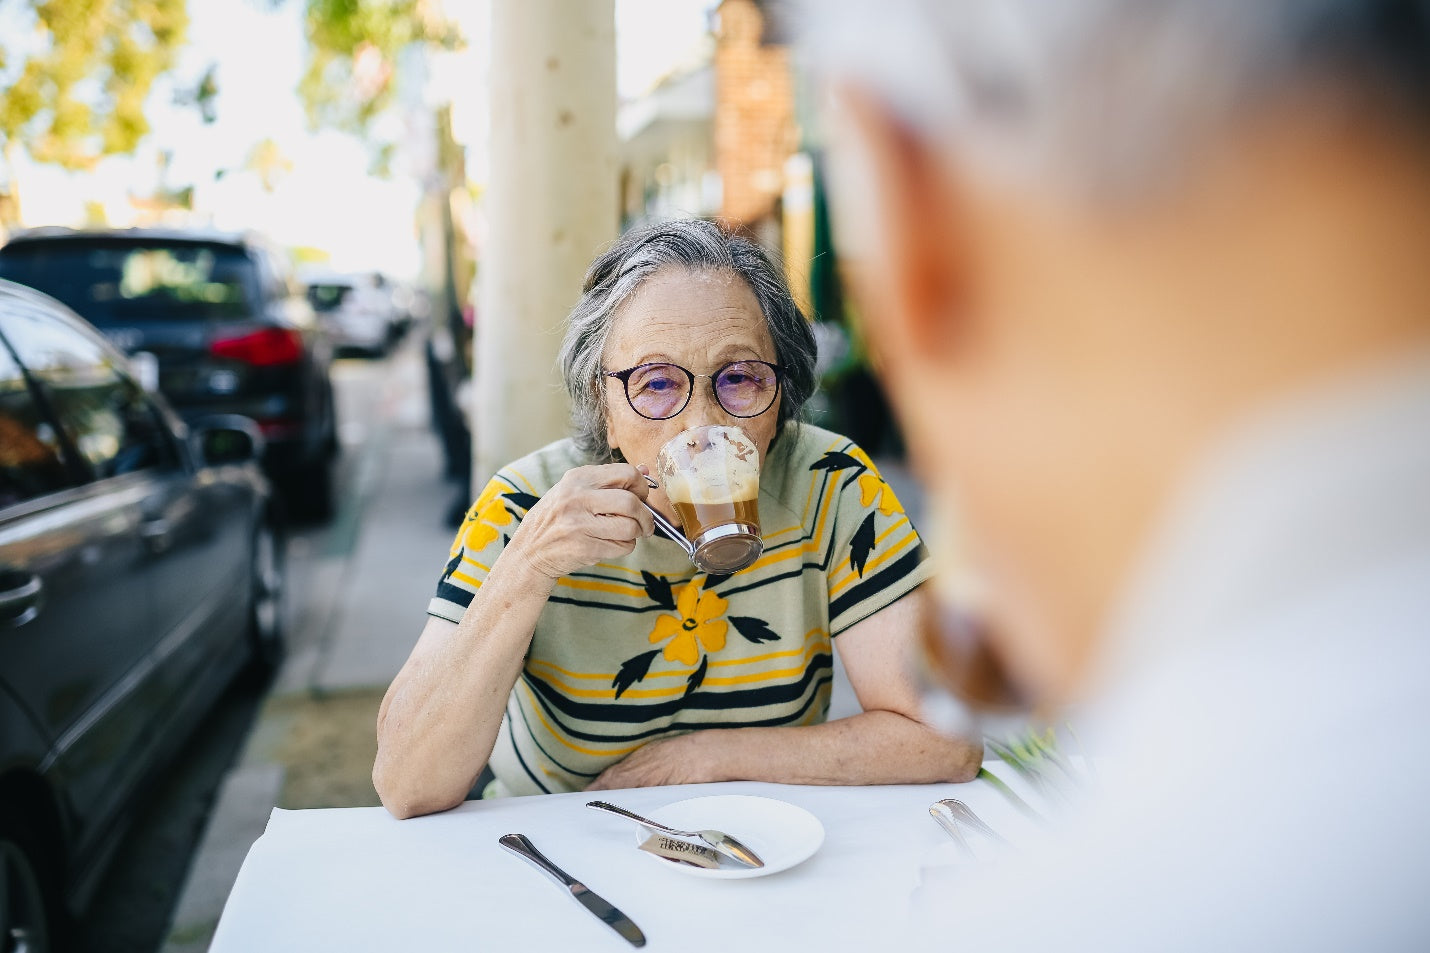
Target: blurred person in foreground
1150,287
570,647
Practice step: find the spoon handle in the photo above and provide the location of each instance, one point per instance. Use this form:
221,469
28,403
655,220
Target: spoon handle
613,809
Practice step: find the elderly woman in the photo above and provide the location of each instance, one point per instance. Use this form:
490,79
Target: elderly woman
570,646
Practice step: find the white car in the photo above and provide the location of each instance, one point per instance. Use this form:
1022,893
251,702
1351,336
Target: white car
357,310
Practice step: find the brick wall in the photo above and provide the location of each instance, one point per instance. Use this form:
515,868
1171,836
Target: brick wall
755,128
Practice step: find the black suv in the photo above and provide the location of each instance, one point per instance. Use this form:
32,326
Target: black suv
220,321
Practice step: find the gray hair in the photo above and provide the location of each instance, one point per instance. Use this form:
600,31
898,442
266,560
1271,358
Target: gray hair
1106,95
620,270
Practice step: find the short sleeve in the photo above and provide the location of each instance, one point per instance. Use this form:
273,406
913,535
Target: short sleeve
877,556
484,533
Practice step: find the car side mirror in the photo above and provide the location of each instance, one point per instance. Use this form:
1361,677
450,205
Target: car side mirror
226,439
145,367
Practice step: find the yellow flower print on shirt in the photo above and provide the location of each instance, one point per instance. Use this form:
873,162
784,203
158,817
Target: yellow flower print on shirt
872,486
480,526
697,622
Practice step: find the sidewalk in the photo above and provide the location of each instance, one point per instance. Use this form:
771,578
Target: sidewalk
357,598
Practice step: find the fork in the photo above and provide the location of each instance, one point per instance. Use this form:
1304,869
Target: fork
943,815
965,813
719,840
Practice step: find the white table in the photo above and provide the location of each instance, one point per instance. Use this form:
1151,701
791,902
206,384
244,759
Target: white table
356,879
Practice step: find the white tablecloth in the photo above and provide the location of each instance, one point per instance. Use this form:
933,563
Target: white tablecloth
356,879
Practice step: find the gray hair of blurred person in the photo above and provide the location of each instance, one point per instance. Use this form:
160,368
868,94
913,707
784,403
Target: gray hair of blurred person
621,269
1103,97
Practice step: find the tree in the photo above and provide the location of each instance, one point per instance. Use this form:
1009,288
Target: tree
268,162
78,89
353,52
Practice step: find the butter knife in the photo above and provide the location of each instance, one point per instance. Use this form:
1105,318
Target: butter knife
519,844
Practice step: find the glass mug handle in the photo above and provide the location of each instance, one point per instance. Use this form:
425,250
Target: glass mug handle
665,524
709,556
669,529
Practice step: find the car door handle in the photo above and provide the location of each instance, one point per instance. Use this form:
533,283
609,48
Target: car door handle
21,603
155,534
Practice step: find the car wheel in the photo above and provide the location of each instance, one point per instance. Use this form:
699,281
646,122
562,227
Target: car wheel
310,492
332,445
24,917
265,611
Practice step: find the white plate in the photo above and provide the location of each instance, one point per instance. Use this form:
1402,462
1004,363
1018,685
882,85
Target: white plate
780,833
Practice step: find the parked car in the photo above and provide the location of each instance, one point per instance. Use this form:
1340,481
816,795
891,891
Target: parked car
140,571
360,311
223,319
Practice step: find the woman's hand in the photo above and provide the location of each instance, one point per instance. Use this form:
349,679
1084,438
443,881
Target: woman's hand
670,761
593,513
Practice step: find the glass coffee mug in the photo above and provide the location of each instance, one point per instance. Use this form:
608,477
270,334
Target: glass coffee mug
711,475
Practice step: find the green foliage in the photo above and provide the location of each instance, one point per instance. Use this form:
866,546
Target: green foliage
203,95
1035,755
353,48
79,92
309,255
268,162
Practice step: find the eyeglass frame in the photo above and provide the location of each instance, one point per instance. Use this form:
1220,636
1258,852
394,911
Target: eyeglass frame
780,371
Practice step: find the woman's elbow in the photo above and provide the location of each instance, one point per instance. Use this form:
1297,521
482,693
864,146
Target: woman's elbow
948,760
404,799
965,760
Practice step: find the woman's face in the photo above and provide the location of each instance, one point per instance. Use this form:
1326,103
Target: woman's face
701,320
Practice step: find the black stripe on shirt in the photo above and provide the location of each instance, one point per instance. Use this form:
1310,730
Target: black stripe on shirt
516,749
765,582
885,578
821,682
554,700
617,607
455,594
542,748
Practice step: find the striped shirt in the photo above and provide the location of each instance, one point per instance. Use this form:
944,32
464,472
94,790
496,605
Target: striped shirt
645,647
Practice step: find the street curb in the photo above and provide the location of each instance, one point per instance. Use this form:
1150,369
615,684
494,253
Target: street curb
245,801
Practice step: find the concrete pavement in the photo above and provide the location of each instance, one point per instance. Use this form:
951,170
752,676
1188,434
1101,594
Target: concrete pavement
358,592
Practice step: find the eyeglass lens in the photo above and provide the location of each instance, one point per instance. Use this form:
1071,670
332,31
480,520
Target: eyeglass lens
744,388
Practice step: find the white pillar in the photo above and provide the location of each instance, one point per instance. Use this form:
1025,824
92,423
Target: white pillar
551,204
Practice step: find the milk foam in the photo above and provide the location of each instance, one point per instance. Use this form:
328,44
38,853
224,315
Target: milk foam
710,465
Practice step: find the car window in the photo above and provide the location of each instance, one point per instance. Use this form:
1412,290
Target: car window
276,286
328,297
113,282
104,414
287,281
31,456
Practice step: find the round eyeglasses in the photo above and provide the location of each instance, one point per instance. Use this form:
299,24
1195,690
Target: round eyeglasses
660,391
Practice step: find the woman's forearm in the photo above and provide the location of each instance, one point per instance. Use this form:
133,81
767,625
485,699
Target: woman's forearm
440,717
873,747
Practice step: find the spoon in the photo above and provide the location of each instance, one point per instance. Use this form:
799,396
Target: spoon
719,840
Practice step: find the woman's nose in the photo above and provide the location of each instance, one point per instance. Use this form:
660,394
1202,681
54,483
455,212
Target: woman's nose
704,410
